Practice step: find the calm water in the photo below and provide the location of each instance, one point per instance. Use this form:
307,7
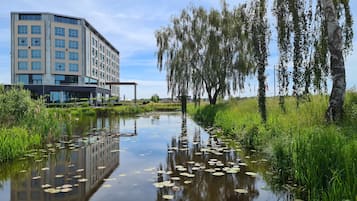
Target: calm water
157,156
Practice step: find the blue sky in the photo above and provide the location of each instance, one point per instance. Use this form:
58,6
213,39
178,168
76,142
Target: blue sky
130,25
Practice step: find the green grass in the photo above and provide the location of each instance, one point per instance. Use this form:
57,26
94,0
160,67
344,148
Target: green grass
303,148
14,142
24,123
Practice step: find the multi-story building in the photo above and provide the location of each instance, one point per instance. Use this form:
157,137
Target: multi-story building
62,57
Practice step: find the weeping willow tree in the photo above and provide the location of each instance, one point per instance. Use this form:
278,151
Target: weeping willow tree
259,39
314,36
203,52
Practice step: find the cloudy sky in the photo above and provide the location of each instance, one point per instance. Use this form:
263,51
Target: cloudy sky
130,25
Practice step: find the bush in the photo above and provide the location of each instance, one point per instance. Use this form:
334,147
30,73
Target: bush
155,98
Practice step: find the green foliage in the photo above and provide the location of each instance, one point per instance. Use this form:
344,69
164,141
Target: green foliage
155,98
15,141
205,51
26,122
15,105
303,148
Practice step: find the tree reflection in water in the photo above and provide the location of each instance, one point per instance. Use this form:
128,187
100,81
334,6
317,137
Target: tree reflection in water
204,185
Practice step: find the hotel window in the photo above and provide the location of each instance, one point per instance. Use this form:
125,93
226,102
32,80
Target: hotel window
59,31
66,20
36,41
73,67
22,29
36,29
22,54
73,44
36,65
73,33
24,79
73,56
59,54
36,79
59,66
22,65
59,43
22,41
36,54
30,17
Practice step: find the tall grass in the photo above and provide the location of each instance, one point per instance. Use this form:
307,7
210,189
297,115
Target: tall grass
15,141
303,148
24,123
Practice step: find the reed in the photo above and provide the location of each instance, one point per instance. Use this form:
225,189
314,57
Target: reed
303,148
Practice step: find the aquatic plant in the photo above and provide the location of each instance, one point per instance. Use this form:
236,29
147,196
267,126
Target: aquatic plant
303,148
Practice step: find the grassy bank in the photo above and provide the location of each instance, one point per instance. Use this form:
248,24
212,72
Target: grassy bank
304,149
24,123
120,110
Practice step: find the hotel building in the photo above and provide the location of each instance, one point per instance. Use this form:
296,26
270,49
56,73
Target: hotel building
62,57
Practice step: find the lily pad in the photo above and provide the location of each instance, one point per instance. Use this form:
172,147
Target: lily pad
52,190
241,190
187,182
253,174
168,197
37,177
82,180
66,190
218,174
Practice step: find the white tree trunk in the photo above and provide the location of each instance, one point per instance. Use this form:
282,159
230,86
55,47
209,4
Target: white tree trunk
335,44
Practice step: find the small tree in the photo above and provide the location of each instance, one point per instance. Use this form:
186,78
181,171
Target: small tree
155,98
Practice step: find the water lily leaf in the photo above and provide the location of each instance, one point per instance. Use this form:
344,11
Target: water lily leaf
168,197
241,190
52,190
45,185
210,170
67,186
82,180
218,174
37,177
175,178
66,190
251,174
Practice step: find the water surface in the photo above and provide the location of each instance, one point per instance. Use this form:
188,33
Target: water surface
149,157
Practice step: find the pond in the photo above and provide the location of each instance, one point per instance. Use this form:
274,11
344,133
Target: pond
156,156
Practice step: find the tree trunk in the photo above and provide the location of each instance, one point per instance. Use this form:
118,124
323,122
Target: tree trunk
184,104
335,44
261,92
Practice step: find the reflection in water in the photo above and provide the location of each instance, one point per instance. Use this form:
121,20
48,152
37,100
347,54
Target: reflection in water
199,161
154,147
89,160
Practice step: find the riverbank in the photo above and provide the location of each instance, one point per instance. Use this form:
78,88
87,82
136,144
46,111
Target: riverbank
304,150
24,123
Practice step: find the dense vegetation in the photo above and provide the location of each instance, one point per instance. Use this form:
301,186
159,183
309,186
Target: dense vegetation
24,123
304,148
